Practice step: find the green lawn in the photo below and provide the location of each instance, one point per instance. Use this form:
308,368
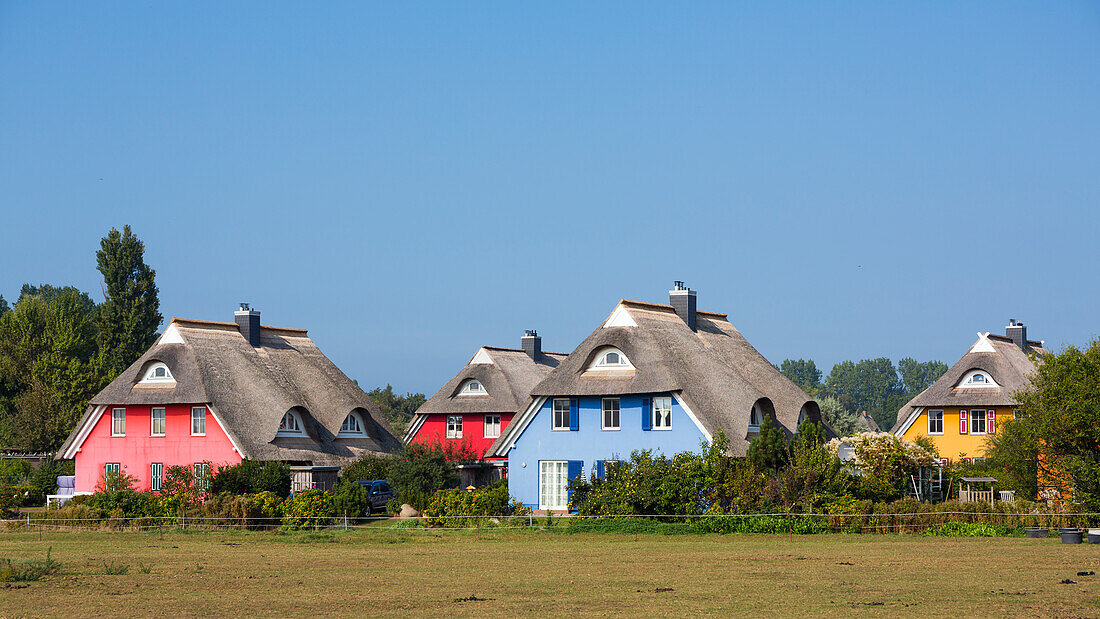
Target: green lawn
547,573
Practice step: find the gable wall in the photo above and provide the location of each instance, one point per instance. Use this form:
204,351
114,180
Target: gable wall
434,430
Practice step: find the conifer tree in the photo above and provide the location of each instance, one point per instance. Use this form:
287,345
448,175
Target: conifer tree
129,317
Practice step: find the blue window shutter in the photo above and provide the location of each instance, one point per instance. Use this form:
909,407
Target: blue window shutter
647,414
599,469
574,418
575,470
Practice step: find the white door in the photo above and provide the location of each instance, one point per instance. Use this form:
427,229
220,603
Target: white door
553,484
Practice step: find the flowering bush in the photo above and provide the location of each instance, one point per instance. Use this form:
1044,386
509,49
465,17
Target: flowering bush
308,509
458,507
884,462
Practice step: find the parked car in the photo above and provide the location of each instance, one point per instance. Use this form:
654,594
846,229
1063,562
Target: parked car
380,494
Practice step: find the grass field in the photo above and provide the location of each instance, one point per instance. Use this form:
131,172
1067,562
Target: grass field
547,574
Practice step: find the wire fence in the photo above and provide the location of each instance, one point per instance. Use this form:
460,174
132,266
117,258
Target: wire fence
774,523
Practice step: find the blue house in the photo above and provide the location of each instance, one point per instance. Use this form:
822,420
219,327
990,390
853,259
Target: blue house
652,376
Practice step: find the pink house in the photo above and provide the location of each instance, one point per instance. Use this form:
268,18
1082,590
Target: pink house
219,392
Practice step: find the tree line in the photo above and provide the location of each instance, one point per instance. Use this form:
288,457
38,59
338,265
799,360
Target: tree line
875,386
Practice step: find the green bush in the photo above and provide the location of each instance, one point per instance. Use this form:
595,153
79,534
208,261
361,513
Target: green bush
267,504
351,499
251,477
417,472
367,468
308,509
968,529
26,571
459,508
15,472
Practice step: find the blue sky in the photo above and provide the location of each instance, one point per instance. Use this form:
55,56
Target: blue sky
411,182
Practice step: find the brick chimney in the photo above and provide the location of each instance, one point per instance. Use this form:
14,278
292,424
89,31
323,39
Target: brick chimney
248,321
682,299
1017,332
531,344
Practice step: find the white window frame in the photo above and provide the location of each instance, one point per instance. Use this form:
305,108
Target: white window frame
932,432
1017,413
492,426
469,389
756,417
153,421
454,426
156,476
296,427
118,422
151,374
116,466
553,484
600,362
201,418
662,413
615,411
967,381
973,421
202,475
563,412
358,426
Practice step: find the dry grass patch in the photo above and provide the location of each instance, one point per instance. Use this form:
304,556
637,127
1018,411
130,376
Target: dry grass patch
531,572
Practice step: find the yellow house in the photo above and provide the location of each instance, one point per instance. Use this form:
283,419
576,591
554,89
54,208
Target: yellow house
965,405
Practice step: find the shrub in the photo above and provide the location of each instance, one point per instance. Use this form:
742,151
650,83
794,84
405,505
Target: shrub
308,509
457,507
253,476
29,570
267,504
367,467
351,499
966,529
417,472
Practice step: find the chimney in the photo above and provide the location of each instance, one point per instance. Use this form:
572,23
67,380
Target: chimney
531,344
1017,332
248,321
682,299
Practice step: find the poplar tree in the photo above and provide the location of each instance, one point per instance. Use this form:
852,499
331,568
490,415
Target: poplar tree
129,317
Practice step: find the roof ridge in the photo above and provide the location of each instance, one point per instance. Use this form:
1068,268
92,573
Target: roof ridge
1005,338
664,307
230,325
506,349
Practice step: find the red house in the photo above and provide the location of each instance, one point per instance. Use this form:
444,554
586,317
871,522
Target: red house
478,403
218,392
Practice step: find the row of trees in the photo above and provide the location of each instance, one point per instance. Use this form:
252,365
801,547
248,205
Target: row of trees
872,385
58,347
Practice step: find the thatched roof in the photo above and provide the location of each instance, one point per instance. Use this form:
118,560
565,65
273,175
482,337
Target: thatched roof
1009,366
715,370
250,389
506,374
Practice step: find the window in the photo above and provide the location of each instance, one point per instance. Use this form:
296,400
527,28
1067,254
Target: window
977,422
472,387
610,359
454,426
291,425
1017,413
755,418
198,421
158,373
561,413
977,378
156,476
112,468
935,422
553,484
611,413
202,475
492,426
157,416
662,413
118,422
352,426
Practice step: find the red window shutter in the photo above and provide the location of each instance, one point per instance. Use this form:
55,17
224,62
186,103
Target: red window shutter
991,421
963,427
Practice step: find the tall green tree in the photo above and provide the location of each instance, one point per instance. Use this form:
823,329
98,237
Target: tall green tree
1062,407
843,421
47,368
398,409
917,376
768,451
872,385
3,305
130,316
803,373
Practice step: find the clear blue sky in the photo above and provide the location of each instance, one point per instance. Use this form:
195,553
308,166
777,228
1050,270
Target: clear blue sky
412,182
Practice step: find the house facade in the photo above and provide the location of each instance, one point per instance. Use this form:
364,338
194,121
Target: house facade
652,376
477,405
213,393
966,405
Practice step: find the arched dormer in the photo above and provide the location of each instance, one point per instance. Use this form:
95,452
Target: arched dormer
810,412
976,378
609,358
354,426
472,387
293,423
157,373
759,409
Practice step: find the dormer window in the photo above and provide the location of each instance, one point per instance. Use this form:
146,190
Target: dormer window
353,425
977,378
472,387
158,373
611,359
291,425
